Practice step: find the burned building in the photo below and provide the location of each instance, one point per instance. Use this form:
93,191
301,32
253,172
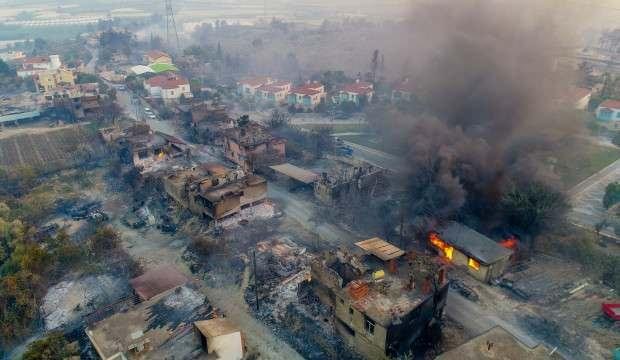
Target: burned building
145,149
159,328
359,179
214,191
483,258
382,301
208,122
251,146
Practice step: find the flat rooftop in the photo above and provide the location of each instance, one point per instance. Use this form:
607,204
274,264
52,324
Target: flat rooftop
386,295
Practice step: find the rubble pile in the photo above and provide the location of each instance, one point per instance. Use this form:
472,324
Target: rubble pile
68,300
262,211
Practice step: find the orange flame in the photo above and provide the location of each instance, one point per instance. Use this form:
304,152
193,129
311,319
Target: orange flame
444,248
510,242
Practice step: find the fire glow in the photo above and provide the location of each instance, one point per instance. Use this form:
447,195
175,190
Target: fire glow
446,249
510,242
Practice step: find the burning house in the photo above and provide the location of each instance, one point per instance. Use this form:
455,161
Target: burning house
382,301
483,258
359,179
213,191
251,146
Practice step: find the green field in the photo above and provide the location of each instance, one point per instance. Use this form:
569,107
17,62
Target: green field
577,161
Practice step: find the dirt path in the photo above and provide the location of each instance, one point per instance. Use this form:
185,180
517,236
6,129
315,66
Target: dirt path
231,301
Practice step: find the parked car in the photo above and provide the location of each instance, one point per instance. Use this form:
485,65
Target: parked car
464,290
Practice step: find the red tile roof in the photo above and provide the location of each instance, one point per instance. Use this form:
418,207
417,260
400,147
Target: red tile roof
257,81
167,81
271,88
310,86
156,281
154,54
358,88
406,86
37,60
307,92
281,83
612,104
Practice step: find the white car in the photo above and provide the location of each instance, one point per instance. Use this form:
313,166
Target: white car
147,109
152,116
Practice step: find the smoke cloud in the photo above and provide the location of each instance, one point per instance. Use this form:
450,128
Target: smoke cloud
486,75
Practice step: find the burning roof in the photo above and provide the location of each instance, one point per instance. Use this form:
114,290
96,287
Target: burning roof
473,243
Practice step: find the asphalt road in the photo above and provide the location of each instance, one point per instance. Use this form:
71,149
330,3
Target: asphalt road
587,199
378,158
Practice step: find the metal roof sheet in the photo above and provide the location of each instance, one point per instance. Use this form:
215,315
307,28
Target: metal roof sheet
295,172
473,243
380,248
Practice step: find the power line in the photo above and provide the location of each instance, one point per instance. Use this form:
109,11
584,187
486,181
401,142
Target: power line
171,24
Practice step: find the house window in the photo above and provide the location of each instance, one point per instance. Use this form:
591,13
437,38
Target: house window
473,264
369,325
350,311
341,301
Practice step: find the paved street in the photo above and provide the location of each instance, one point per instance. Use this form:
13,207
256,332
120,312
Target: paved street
587,199
378,158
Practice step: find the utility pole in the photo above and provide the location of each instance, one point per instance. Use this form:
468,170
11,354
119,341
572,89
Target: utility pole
255,280
171,24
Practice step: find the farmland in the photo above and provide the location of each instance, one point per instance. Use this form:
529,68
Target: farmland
50,150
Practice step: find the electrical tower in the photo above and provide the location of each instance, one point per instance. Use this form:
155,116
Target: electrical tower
171,25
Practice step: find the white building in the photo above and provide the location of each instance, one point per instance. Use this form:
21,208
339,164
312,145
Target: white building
248,87
169,87
39,64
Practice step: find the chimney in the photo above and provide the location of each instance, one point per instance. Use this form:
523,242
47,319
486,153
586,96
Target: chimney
442,276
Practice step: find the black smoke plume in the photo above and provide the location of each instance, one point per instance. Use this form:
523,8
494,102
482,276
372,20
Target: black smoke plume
488,80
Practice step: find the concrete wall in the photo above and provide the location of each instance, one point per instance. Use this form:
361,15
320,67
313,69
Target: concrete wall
228,347
371,345
254,193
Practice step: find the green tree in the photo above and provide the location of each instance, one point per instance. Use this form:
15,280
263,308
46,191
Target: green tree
532,208
53,346
4,68
612,195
